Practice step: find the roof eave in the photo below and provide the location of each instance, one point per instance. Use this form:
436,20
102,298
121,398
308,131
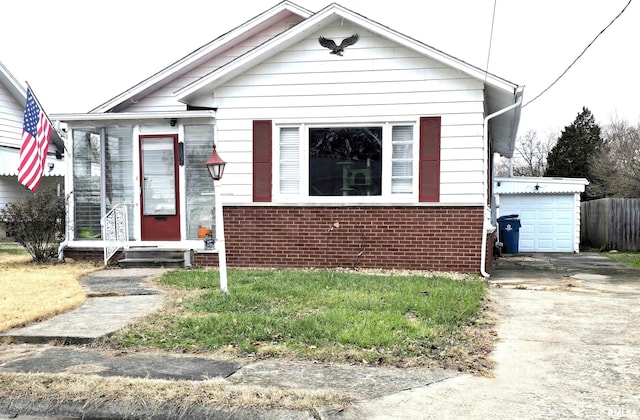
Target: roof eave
504,128
549,179
133,116
206,50
13,86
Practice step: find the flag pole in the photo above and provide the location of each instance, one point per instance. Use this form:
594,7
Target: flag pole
39,104
45,114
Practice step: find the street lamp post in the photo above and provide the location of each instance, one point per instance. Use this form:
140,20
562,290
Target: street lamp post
216,165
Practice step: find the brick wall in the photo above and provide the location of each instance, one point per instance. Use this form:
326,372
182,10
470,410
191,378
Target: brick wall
85,254
394,237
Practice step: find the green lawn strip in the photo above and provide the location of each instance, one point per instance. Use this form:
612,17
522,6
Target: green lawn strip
313,314
632,259
12,250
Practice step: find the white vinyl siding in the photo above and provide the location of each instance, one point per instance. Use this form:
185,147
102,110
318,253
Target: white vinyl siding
376,81
11,114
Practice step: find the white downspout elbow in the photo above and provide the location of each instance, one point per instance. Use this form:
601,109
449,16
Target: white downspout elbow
485,177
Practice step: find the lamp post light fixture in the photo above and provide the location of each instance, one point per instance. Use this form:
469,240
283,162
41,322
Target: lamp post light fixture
215,165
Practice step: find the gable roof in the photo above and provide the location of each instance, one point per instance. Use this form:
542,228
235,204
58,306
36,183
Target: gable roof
204,53
12,85
326,16
499,93
20,94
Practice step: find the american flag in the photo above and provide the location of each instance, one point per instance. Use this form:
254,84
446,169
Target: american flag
36,131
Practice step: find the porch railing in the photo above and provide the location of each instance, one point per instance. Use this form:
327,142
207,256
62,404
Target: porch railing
115,231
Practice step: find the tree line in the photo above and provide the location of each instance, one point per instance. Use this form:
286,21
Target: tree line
608,157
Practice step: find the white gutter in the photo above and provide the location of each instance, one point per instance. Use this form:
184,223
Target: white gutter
485,189
119,116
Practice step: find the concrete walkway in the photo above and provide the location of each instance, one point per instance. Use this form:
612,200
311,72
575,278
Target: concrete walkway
116,297
569,347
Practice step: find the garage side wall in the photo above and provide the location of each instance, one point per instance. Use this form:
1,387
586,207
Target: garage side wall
386,237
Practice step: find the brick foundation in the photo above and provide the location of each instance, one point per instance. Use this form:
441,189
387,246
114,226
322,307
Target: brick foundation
394,237
85,254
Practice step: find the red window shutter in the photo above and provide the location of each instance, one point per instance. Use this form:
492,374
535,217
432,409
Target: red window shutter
429,177
262,160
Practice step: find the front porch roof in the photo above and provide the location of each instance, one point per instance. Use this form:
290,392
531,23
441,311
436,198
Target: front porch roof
108,118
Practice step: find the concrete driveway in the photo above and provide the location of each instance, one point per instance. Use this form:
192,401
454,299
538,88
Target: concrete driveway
569,348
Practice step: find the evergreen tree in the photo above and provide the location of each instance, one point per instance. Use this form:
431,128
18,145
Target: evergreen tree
577,145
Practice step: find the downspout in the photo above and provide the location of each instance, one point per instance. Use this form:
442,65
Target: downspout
68,186
485,189
65,242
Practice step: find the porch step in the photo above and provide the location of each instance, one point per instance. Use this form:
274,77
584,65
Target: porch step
140,257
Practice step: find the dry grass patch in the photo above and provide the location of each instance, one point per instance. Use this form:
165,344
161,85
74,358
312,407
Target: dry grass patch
36,291
176,397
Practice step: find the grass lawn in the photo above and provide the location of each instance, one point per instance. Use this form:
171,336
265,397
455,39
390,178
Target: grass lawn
384,319
35,291
632,259
321,315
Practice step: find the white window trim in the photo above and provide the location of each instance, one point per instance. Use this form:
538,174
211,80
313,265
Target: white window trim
303,196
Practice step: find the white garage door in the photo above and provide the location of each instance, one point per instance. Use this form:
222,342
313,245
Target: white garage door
547,220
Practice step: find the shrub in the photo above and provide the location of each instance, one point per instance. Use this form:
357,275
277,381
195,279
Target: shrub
37,223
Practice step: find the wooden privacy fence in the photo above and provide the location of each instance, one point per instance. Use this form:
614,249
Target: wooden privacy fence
610,223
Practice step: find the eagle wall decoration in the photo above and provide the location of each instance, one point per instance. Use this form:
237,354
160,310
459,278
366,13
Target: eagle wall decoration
338,49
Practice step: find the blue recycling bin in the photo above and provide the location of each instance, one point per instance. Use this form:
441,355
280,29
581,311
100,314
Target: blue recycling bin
509,233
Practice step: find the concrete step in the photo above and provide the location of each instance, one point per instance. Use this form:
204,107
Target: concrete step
140,257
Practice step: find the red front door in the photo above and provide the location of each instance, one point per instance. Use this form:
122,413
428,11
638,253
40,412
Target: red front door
159,188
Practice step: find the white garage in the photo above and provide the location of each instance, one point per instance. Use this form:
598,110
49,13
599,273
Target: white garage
548,209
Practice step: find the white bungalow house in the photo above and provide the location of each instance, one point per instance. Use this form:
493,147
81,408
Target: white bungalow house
379,155
13,97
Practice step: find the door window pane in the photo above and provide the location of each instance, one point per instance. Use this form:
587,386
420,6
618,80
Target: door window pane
158,175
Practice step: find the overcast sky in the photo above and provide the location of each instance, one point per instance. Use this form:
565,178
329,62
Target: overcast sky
77,54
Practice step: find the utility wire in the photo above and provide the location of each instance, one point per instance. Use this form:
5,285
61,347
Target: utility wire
581,54
493,20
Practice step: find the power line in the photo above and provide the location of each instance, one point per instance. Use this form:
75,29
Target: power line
581,54
493,20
